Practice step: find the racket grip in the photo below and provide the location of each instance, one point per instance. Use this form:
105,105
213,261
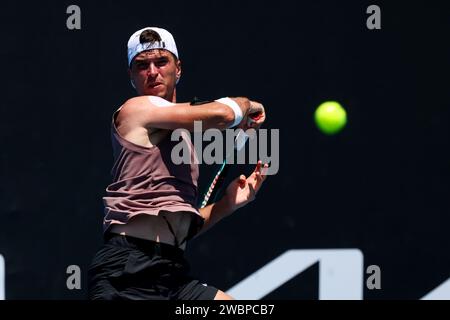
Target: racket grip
241,140
242,137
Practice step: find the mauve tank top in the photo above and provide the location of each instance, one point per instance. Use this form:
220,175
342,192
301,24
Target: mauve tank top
146,181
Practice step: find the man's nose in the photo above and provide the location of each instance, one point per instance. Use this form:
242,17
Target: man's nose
152,70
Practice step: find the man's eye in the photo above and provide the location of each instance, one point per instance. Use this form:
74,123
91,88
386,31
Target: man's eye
142,66
161,63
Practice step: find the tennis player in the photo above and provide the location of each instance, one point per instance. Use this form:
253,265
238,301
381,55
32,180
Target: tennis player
151,204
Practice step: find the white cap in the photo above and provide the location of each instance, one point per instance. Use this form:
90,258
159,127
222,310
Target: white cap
135,46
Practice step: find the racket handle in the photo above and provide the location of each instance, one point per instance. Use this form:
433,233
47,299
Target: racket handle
242,137
241,140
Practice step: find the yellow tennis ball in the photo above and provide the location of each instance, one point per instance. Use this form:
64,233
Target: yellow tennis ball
330,117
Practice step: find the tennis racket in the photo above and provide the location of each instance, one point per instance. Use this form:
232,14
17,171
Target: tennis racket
217,182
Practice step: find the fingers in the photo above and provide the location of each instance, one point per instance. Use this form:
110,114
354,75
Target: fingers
242,181
261,170
258,166
264,171
256,121
253,183
255,107
259,174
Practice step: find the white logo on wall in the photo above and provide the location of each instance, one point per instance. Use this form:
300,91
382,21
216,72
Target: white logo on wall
2,278
442,292
340,274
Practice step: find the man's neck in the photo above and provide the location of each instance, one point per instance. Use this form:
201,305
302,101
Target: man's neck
174,95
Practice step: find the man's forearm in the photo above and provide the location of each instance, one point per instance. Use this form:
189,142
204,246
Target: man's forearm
215,212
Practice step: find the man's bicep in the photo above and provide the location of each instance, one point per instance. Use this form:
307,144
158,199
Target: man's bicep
143,112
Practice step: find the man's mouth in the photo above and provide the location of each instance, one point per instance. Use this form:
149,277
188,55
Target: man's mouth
154,85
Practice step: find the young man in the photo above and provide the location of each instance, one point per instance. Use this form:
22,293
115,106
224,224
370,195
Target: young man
151,204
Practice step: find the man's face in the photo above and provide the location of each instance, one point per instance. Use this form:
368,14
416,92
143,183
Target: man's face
154,73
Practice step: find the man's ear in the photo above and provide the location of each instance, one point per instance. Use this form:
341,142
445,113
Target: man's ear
178,72
131,79
178,69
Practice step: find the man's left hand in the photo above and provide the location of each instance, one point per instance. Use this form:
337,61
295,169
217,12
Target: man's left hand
243,190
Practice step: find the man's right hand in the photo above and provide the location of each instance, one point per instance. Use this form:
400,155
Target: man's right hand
254,115
243,103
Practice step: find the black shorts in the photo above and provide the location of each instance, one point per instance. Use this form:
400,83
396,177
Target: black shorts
127,268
